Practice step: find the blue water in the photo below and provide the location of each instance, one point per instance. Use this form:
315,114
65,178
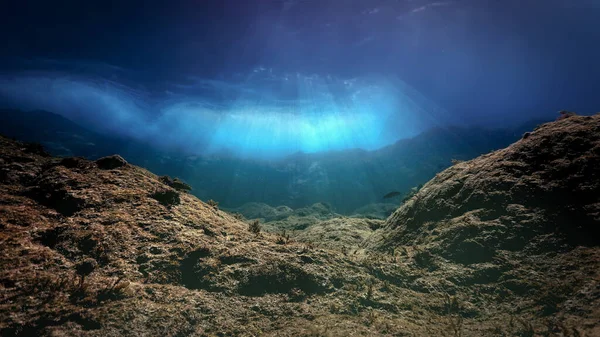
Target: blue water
273,78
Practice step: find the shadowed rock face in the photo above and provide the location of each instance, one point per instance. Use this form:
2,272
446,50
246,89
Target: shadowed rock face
503,245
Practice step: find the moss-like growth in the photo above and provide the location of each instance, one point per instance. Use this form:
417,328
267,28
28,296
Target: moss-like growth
213,204
283,238
254,227
118,290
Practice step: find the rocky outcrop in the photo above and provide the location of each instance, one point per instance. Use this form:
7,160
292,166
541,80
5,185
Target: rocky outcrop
545,184
176,183
522,222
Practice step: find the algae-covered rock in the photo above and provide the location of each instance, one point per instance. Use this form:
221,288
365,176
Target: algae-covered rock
522,222
547,183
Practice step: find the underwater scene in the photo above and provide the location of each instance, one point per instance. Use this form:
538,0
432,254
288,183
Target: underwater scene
300,168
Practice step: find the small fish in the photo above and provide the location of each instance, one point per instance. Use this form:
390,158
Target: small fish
391,195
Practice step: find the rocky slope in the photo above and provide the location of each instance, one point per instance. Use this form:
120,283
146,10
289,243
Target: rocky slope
105,248
504,245
524,220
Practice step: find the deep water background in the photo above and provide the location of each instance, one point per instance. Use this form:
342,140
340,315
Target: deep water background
294,102
270,78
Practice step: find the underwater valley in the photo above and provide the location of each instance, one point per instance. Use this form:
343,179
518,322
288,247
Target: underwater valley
300,168
505,244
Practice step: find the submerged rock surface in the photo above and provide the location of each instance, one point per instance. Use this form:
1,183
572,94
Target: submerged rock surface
545,184
503,245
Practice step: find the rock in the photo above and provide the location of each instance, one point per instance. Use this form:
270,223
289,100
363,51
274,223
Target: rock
176,183
546,183
111,162
523,221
